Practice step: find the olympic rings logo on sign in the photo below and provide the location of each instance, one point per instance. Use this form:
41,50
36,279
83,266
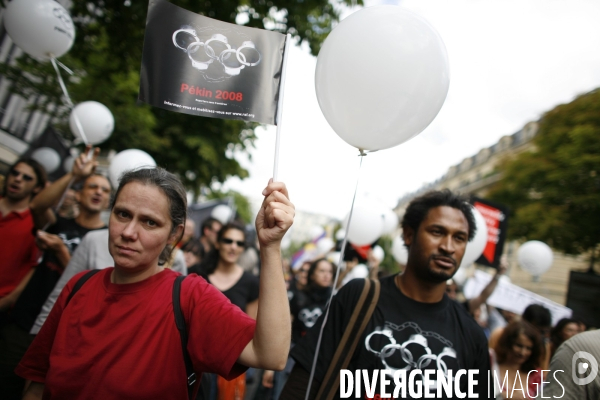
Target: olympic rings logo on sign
216,49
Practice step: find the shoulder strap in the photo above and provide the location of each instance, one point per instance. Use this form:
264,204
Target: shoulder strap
345,350
180,322
80,283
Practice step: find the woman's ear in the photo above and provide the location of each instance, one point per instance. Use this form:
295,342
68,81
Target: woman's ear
176,236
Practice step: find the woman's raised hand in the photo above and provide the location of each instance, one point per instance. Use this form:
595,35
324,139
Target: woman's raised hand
276,214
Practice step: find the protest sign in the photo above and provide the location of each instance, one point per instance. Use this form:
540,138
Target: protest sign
496,219
200,66
513,298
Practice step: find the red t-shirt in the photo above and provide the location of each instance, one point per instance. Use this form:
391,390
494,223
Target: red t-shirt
121,341
18,249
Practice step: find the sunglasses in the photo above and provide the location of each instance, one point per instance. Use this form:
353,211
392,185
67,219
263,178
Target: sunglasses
240,243
16,174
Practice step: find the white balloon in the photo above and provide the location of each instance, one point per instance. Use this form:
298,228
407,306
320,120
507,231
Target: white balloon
222,213
324,245
381,77
68,163
127,160
390,221
334,257
48,157
476,246
340,234
41,28
96,121
367,223
535,257
316,232
399,250
378,253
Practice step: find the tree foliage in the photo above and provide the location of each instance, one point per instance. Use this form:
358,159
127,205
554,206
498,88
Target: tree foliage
241,202
106,58
554,190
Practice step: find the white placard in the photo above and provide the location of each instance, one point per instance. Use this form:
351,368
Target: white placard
510,297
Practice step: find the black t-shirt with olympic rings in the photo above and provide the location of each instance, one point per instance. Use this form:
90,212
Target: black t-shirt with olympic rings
403,334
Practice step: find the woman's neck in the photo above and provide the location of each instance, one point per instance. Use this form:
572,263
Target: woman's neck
121,276
226,267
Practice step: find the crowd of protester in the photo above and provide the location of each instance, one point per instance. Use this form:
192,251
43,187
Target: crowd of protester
46,249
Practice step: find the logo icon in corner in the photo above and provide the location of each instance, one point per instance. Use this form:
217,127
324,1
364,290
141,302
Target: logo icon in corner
581,367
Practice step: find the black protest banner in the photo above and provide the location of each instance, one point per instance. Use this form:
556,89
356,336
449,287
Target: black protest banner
496,219
200,66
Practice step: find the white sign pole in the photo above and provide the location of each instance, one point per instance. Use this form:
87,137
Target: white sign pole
278,119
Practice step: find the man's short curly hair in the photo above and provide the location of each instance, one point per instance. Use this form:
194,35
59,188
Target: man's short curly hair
418,208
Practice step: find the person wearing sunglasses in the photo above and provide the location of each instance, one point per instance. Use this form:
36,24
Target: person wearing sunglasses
220,268
25,179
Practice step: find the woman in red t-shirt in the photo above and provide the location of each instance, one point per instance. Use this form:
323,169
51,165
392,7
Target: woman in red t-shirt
117,337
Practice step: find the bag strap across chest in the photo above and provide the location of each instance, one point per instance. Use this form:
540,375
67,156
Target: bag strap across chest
358,322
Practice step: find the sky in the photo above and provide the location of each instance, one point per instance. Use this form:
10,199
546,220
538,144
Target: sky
510,61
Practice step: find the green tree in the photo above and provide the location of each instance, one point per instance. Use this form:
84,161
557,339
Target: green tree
106,59
554,190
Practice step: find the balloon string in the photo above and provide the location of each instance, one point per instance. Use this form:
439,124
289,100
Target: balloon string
54,62
68,98
63,66
335,280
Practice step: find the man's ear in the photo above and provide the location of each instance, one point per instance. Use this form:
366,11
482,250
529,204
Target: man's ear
36,190
408,234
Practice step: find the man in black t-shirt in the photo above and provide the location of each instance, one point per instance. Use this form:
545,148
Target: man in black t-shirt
415,326
58,237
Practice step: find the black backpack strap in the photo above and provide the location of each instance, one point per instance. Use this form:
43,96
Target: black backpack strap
358,322
80,283
180,322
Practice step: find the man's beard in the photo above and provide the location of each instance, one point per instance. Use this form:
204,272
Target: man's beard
427,274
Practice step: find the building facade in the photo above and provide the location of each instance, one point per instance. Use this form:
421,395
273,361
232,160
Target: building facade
475,175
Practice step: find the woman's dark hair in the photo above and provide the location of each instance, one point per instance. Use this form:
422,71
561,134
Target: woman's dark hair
173,189
556,332
509,337
538,315
195,247
211,261
310,283
418,208
38,170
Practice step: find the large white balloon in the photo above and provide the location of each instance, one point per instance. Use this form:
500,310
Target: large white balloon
399,251
222,213
476,246
41,28
48,157
96,121
366,225
126,161
535,257
381,77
